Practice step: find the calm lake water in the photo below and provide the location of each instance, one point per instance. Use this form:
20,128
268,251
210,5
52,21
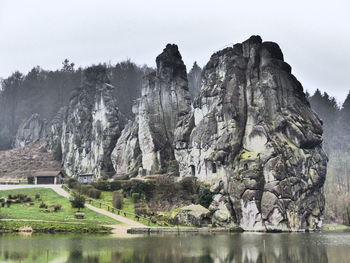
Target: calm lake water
221,248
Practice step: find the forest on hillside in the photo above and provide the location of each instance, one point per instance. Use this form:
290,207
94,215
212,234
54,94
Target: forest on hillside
336,135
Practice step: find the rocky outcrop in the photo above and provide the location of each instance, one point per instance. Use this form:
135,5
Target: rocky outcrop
193,215
86,132
253,136
126,156
165,100
30,131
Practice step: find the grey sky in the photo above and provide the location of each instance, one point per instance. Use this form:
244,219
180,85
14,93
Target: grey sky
314,35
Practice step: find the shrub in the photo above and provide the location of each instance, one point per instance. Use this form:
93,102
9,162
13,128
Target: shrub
21,197
94,193
102,185
205,196
189,185
142,187
136,197
43,205
30,179
89,190
57,207
115,185
108,186
37,196
118,200
83,188
77,201
141,209
72,183
166,187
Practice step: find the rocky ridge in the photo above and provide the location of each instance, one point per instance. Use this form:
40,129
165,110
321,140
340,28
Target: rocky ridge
250,133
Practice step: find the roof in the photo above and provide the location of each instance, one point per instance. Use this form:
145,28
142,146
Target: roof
46,173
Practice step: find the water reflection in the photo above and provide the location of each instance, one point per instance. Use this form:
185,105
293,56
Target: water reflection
235,248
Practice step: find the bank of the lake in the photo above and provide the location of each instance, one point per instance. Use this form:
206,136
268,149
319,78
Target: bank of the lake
52,227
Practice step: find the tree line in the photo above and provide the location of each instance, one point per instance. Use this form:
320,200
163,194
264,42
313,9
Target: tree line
336,143
45,92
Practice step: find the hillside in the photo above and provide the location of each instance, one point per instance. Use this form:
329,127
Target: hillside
21,162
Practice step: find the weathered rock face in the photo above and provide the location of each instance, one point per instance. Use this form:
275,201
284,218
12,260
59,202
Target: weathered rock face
253,135
193,215
86,132
126,156
165,99
30,131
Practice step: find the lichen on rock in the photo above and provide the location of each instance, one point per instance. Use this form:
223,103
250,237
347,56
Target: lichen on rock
253,130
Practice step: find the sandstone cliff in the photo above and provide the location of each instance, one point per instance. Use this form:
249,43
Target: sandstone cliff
30,131
253,136
85,133
148,143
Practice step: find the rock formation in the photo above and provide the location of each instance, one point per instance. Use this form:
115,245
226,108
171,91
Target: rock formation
30,131
86,132
253,136
250,133
165,99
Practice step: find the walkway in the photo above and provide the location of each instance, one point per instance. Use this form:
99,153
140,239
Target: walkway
117,229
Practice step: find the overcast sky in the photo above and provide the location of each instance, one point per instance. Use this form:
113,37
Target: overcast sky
314,35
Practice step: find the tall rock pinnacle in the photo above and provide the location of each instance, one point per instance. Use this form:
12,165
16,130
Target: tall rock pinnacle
254,137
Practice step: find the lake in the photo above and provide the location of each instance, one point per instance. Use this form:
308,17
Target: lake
330,247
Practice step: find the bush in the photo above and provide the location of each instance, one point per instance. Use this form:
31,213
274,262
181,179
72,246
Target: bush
21,197
142,187
118,200
141,209
136,197
205,197
37,196
57,207
30,179
43,205
83,188
102,185
77,201
72,183
94,193
189,185
89,190
108,186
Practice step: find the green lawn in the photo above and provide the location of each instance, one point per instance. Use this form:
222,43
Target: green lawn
335,227
50,198
128,206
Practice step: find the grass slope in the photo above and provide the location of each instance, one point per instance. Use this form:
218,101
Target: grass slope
50,198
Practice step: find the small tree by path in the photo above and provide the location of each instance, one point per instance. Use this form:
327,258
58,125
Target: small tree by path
118,201
77,200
